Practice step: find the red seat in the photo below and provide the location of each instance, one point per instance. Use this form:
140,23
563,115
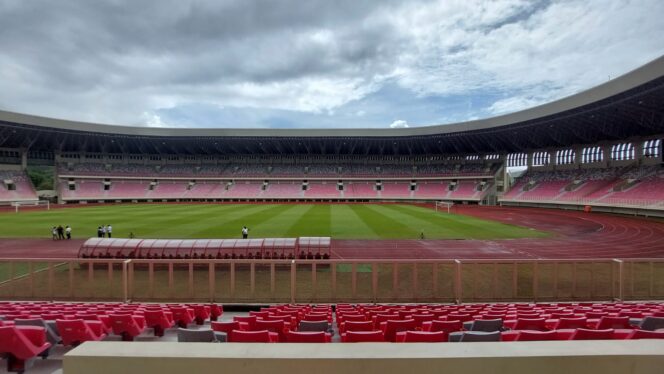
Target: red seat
226,327
158,320
613,323
643,334
444,326
182,315
273,326
76,331
378,318
246,322
358,326
126,326
21,344
421,337
216,311
264,336
587,334
391,327
536,324
459,317
571,323
362,336
308,337
201,313
532,335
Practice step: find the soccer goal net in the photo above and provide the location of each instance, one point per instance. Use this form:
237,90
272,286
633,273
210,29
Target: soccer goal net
444,206
18,205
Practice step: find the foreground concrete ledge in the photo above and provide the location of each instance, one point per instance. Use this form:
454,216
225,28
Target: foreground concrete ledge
605,357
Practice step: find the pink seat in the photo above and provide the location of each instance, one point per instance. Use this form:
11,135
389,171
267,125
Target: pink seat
362,336
308,337
421,337
19,345
264,336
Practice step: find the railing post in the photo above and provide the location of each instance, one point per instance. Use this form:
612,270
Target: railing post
353,281
125,280
151,279
535,280
457,282
374,282
293,280
232,280
211,281
191,280
621,278
252,279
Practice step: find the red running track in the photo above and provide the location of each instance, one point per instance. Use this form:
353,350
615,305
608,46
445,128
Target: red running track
575,235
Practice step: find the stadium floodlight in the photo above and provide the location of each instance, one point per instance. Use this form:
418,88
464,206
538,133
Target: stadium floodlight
37,203
444,206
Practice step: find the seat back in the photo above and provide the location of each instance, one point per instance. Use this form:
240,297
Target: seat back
73,331
307,337
364,336
191,335
537,324
51,335
587,334
358,326
274,326
572,323
645,334
531,335
226,327
237,336
607,322
425,337
394,326
313,326
652,323
487,325
249,320
480,336
14,342
446,326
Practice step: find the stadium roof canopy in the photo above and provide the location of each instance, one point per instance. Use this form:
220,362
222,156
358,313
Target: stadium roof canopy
629,106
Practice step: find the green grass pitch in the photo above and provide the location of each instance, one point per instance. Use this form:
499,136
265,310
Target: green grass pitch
340,221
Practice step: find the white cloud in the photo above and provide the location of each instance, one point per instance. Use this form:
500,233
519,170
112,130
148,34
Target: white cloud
398,124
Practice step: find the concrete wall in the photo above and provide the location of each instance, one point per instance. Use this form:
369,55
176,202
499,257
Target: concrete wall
600,357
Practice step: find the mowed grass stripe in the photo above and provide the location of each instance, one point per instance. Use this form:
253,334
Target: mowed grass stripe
432,226
255,220
315,221
382,224
346,224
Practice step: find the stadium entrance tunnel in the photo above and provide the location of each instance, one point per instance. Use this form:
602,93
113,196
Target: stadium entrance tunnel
312,248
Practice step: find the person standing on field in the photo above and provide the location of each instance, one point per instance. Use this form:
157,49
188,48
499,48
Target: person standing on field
245,232
61,232
103,231
68,232
109,230
54,233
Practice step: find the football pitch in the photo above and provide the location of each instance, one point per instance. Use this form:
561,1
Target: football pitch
339,221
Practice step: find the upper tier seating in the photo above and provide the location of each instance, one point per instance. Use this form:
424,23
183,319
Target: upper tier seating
16,186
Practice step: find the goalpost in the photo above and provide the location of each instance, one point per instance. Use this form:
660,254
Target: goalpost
444,206
43,203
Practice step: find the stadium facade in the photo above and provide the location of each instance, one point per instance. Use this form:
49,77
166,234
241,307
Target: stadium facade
601,147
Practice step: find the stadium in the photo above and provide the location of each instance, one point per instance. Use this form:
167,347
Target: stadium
530,232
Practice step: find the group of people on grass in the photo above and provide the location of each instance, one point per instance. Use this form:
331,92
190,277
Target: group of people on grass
105,231
59,232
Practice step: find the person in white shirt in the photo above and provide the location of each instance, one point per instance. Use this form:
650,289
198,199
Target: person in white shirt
245,232
103,231
109,230
68,232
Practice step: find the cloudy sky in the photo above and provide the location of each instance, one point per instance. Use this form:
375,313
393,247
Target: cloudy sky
313,63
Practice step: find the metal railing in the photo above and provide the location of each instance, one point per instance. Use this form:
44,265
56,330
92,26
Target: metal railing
328,281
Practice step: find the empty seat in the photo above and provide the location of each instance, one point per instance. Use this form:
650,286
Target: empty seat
263,336
19,345
51,335
391,328
201,313
216,311
77,331
273,326
314,326
358,326
126,326
225,327
532,335
421,337
182,316
651,323
587,334
362,336
484,325
308,337
646,334
480,336
158,320
200,336
537,324
570,323
607,322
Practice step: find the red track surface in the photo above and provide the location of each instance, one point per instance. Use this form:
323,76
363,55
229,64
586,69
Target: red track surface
576,235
